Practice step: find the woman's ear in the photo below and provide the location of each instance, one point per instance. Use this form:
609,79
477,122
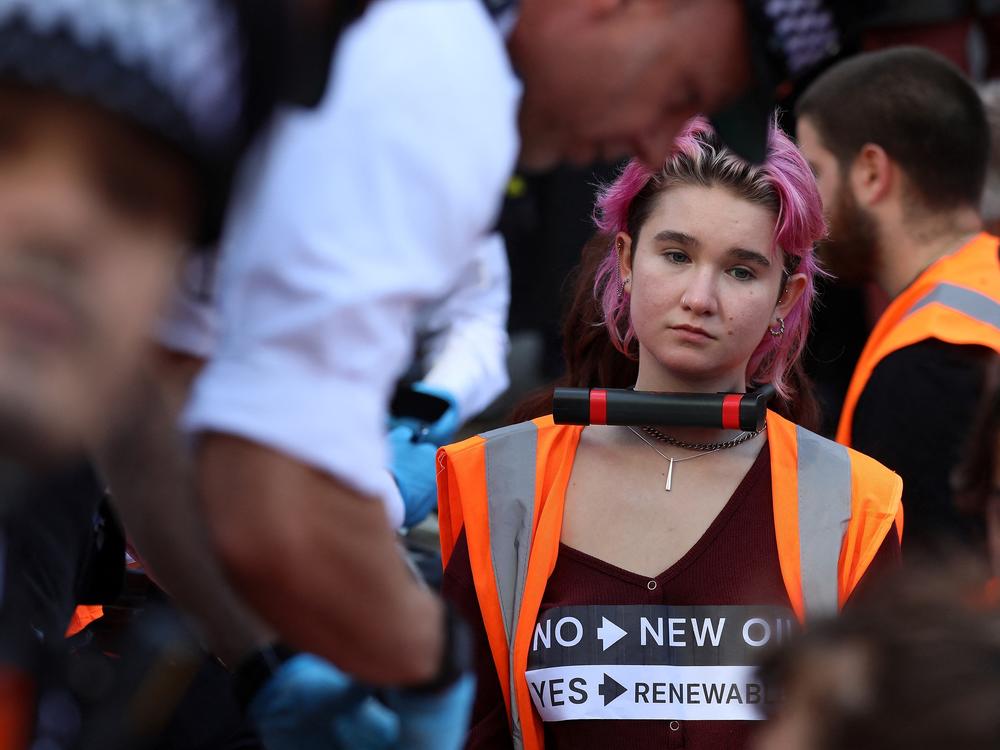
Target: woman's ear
623,246
794,288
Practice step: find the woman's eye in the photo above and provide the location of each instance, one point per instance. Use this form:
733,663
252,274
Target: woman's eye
676,256
741,274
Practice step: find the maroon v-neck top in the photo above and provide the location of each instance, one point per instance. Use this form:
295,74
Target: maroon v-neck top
735,562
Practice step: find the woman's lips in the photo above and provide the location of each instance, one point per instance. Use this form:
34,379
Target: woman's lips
692,333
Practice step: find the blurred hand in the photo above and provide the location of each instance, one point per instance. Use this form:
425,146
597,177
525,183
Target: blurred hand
414,469
414,443
442,430
311,705
437,721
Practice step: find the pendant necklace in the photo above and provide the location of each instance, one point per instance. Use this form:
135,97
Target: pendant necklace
671,460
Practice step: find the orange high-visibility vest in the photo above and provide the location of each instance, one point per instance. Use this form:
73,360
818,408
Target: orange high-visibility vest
833,508
956,300
83,615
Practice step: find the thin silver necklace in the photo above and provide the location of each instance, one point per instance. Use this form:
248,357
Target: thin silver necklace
670,459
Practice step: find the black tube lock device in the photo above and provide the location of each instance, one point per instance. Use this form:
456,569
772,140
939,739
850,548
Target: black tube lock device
728,411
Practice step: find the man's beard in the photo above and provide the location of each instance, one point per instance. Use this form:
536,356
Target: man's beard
851,250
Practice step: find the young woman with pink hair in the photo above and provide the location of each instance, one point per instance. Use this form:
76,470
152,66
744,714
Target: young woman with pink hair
627,579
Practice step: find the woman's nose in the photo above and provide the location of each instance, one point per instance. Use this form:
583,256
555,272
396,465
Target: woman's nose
700,295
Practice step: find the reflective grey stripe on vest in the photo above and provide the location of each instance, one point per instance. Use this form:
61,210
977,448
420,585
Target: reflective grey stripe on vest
824,511
967,301
510,493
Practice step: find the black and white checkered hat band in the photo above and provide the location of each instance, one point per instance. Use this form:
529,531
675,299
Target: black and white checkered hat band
182,58
804,29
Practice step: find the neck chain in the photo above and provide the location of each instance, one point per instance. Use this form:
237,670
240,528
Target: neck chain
706,451
709,447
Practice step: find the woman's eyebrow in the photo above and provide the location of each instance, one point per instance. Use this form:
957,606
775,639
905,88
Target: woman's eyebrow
750,256
686,240
669,235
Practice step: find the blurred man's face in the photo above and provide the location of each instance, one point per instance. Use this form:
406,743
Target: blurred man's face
851,247
603,81
823,686
92,219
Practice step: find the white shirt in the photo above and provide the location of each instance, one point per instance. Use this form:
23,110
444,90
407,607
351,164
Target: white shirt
465,341
352,218
463,335
190,322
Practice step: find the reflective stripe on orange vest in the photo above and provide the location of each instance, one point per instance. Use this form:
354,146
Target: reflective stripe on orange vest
962,300
833,508
510,492
824,502
956,300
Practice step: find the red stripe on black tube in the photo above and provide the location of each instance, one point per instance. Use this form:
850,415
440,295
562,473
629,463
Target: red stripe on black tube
598,406
627,407
731,411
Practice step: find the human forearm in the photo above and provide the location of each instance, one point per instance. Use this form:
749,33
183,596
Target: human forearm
319,562
149,472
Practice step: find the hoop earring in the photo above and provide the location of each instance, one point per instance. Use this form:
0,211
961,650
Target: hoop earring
780,330
622,284
619,246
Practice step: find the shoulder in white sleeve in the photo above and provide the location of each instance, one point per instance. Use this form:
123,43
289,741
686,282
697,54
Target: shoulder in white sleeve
356,215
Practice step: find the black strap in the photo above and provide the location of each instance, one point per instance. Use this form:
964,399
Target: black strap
456,658
257,669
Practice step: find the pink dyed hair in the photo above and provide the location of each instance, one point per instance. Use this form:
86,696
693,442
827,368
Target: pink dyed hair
783,183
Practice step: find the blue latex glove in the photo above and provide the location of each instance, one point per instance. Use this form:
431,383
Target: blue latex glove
441,431
437,721
311,705
414,468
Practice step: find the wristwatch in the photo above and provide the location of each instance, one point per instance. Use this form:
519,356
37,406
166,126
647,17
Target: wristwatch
456,657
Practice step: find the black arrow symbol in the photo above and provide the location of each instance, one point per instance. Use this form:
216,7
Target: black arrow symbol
610,688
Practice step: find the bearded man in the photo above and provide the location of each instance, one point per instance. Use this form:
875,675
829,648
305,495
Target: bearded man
899,144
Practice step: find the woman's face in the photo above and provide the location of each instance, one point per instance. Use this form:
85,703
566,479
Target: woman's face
704,287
